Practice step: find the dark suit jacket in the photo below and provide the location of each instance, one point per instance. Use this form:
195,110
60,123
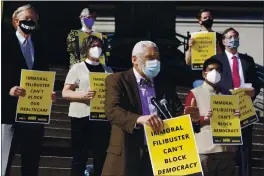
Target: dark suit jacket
249,70
12,63
123,107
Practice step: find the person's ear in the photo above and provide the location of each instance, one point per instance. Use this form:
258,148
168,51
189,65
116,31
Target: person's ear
204,74
134,60
16,22
223,42
200,22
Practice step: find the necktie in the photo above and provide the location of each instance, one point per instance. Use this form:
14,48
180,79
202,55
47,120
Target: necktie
146,82
235,73
27,54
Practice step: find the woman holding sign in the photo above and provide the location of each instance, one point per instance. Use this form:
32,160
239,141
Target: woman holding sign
86,133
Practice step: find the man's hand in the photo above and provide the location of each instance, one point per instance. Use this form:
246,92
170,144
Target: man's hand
17,91
152,120
250,92
193,111
53,97
191,42
237,113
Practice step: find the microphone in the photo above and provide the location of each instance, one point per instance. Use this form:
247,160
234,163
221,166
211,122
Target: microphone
164,103
156,104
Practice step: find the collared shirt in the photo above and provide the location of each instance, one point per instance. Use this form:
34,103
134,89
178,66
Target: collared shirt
22,40
240,69
146,93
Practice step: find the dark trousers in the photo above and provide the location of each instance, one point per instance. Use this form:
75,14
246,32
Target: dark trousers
88,135
245,153
145,165
28,137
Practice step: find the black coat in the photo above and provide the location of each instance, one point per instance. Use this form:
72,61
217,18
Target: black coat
12,63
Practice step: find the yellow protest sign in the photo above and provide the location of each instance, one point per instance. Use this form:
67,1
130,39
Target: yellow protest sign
246,107
203,48
35,107
173,150
97,83
225,125
83,35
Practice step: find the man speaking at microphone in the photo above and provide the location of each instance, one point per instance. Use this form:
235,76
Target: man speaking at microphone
128,106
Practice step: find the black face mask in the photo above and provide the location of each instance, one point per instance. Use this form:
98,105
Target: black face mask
207,23
27,26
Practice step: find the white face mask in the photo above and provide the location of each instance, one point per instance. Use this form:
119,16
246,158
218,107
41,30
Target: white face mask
213,76
95,52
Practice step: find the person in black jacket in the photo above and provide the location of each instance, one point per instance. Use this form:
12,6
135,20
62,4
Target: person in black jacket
21,51
206,20
239,69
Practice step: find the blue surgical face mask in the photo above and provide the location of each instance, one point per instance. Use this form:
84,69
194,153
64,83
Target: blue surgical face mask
151,68
232,43
89,22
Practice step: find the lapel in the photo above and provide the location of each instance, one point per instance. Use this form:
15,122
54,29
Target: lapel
227,72
243,64
132,89
20,55
33,40
157,87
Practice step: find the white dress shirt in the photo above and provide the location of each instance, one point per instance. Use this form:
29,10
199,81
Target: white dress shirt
240,69
22,40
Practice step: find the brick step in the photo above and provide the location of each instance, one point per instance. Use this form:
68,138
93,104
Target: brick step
58,132
59,115
258,139
50,161
54,141
60,107
258,131
44,171
59,123
258,147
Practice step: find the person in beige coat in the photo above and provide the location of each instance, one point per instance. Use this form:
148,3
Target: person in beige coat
216,160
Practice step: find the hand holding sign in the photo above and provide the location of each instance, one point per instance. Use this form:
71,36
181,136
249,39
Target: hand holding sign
152,120
208,115
193,111
53,97
250,92
191,42
17,91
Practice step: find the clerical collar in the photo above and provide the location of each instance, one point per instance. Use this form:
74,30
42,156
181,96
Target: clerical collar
88,61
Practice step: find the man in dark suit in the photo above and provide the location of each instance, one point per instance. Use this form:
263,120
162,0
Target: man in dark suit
21,51
239,69
128,107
